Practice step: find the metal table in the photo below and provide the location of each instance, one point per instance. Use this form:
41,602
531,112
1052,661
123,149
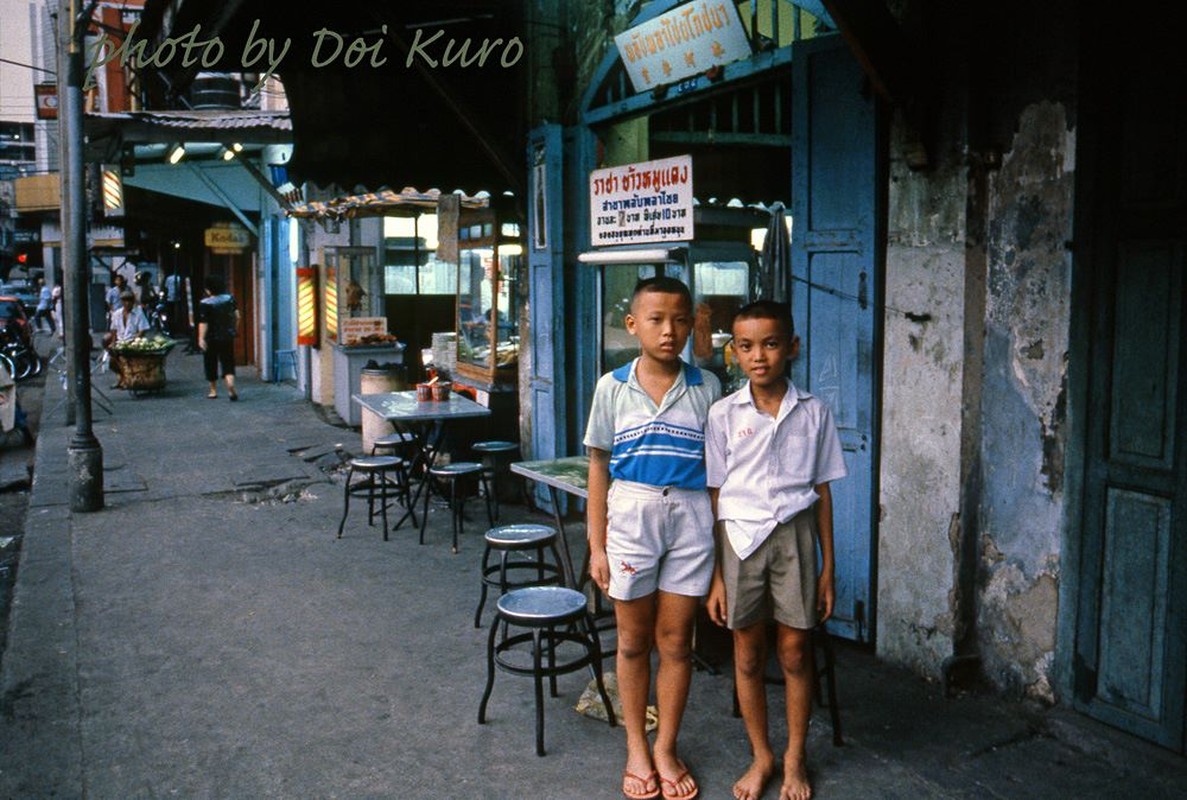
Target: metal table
569,475
424,419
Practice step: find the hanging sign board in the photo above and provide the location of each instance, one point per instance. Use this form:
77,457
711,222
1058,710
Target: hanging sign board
227,239
646,202
683,42
46,95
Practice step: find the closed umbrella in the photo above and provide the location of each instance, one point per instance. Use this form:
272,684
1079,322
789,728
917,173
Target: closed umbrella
775,274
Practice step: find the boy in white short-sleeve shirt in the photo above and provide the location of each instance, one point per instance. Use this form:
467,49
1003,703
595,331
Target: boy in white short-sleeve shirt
771,451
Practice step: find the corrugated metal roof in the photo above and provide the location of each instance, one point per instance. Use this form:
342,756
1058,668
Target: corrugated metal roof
207,119
379,203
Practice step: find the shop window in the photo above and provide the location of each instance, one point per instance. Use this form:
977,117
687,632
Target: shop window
411,266
357,286
487,280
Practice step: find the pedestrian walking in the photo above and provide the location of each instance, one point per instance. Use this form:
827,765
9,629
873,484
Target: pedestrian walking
45,311
218,322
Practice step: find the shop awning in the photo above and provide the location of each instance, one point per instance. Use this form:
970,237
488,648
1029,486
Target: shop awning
383,203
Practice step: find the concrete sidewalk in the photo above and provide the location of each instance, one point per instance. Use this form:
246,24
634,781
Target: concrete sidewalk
205,635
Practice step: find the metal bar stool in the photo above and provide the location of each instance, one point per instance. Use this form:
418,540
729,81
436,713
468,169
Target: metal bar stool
522,551
455,475
379,487
398,442
493,454
552,616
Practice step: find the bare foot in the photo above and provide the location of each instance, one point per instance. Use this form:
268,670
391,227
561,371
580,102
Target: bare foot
795,780
751,785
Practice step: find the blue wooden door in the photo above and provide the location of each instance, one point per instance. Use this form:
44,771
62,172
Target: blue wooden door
1130,657
546,296
834,286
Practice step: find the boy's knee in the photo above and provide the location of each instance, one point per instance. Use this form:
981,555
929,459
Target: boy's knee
634,647
749,663
793,657
674,647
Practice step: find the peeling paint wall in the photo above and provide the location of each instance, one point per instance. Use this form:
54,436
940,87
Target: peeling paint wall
1024,413
921,420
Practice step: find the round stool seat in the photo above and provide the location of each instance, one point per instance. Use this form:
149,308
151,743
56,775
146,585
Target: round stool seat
524,536
559,639
384,479
372,463
456,468
394,440
496,446
536,606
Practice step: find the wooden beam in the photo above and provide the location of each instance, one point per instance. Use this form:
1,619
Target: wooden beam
879,45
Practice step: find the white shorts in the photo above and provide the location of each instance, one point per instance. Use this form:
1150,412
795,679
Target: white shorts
658,537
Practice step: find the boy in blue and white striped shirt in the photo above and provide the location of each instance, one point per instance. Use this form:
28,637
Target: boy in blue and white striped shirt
650,524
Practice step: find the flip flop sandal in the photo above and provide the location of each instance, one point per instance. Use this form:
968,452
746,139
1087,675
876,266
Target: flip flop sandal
672,793
643,795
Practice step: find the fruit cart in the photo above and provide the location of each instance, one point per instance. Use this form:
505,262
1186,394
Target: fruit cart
142,364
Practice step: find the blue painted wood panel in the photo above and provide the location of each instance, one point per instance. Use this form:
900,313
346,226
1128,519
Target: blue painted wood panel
1129,662
834,284
545,246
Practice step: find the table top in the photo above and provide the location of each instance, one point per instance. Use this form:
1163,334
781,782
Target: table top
569,474
404,407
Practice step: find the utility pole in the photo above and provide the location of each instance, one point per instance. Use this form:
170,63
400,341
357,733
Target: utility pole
84,453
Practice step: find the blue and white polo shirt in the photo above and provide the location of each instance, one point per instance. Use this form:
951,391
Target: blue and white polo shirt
657,445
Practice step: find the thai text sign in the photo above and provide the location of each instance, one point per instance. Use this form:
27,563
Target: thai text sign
646,202
683,42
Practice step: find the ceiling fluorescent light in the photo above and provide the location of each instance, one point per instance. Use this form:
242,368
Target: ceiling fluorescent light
175,153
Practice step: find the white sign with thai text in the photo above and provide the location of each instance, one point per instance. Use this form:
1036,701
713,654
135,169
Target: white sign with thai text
683,42
645,202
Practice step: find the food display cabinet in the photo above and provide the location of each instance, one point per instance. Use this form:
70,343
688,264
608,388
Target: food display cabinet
719,266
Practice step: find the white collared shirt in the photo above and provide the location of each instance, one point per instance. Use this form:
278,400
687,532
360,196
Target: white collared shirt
767,468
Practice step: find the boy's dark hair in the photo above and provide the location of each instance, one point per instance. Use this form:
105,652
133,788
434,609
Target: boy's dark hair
768,309
215,284
664,285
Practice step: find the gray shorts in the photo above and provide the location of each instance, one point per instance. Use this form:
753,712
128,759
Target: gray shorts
778,580
658,538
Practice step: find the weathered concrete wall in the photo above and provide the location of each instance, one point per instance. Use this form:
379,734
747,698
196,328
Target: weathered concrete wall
921,418
1027,317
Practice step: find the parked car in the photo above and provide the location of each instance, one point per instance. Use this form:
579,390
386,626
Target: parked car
13,315
23,291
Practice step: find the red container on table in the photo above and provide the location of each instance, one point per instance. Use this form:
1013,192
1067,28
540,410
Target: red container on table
441,390
424,391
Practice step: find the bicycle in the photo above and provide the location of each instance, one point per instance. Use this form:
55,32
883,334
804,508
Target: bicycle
21,355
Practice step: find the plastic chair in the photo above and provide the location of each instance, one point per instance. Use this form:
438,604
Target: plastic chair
282,359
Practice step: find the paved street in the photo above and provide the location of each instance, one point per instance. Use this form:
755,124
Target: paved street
206,636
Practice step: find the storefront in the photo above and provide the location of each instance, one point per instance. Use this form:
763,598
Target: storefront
765,105
392,269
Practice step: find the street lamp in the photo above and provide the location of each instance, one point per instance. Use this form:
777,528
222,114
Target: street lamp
84,453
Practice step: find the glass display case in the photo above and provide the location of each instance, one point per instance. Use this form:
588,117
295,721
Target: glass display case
490,258
718,267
